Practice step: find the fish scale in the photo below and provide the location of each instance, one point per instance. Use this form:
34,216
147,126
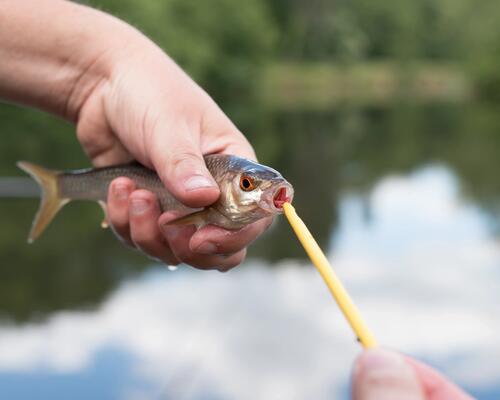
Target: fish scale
93,184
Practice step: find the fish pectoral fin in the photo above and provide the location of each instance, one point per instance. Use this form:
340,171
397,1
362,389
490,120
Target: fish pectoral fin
198,218
105,222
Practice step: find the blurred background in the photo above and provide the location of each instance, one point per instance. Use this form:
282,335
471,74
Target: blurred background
386,118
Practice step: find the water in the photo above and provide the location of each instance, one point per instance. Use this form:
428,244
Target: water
403,199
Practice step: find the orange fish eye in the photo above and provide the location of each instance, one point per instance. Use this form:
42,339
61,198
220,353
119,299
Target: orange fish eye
246,183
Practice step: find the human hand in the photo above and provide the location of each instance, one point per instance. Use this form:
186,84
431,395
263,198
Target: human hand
148,109
384,375
129,100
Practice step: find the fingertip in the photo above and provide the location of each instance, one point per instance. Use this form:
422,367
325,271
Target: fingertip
189,180
199,197
198,182
141,202
195,190
374,358
379,372
121,188
117,207
144,212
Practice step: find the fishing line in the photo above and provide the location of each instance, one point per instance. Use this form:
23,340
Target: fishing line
336,288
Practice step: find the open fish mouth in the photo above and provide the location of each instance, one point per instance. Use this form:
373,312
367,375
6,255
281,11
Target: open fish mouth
282,195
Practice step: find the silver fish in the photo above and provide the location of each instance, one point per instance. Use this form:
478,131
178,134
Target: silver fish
249,191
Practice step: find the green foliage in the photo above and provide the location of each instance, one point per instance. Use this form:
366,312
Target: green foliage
481,47
353,31
222,44
364,29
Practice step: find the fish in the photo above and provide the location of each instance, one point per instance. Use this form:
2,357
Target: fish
249,191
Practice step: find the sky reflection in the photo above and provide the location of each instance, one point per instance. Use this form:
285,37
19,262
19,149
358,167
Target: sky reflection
418,260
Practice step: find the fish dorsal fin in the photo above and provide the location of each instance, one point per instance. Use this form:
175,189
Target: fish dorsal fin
50,201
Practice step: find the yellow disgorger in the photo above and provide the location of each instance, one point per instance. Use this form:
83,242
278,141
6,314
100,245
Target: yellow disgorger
336,288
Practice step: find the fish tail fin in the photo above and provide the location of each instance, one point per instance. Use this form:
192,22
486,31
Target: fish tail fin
50,202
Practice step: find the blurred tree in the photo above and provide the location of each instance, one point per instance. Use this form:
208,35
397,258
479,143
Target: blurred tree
480,39
222,44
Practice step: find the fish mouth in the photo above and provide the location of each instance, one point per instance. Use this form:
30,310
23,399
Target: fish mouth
282,195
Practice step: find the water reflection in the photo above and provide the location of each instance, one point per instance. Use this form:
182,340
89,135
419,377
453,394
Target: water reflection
420,262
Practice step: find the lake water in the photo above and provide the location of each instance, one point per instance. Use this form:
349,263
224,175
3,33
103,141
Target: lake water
404,200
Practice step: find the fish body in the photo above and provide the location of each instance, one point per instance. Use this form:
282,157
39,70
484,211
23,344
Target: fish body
93,184
249,191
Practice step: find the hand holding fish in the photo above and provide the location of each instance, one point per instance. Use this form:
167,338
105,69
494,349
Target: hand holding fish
150,110
129,101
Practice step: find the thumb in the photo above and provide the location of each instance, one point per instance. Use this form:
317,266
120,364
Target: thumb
176,155
384,375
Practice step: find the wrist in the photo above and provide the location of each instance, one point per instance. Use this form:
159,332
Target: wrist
102,43
54,63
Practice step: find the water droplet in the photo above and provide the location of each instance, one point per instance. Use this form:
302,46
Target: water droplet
172,267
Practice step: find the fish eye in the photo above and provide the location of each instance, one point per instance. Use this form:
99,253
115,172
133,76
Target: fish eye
247,184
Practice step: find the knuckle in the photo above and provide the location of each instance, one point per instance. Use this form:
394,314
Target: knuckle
150,250
233,261
240,257
146,238
86,137
183,157
230,248
118,220
119,226
189,258
227,267
118,217
149,123
158,250
122,236
170,260
197,261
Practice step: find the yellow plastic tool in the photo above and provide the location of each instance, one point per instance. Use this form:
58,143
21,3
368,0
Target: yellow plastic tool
338,291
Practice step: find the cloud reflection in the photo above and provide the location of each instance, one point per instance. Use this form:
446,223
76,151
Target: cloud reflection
417,259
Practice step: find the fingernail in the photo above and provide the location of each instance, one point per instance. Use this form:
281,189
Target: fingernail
121,192
138,206
383,374
377,359
198,182
207,248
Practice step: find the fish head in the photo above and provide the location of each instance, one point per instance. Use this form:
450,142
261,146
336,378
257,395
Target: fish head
251,191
